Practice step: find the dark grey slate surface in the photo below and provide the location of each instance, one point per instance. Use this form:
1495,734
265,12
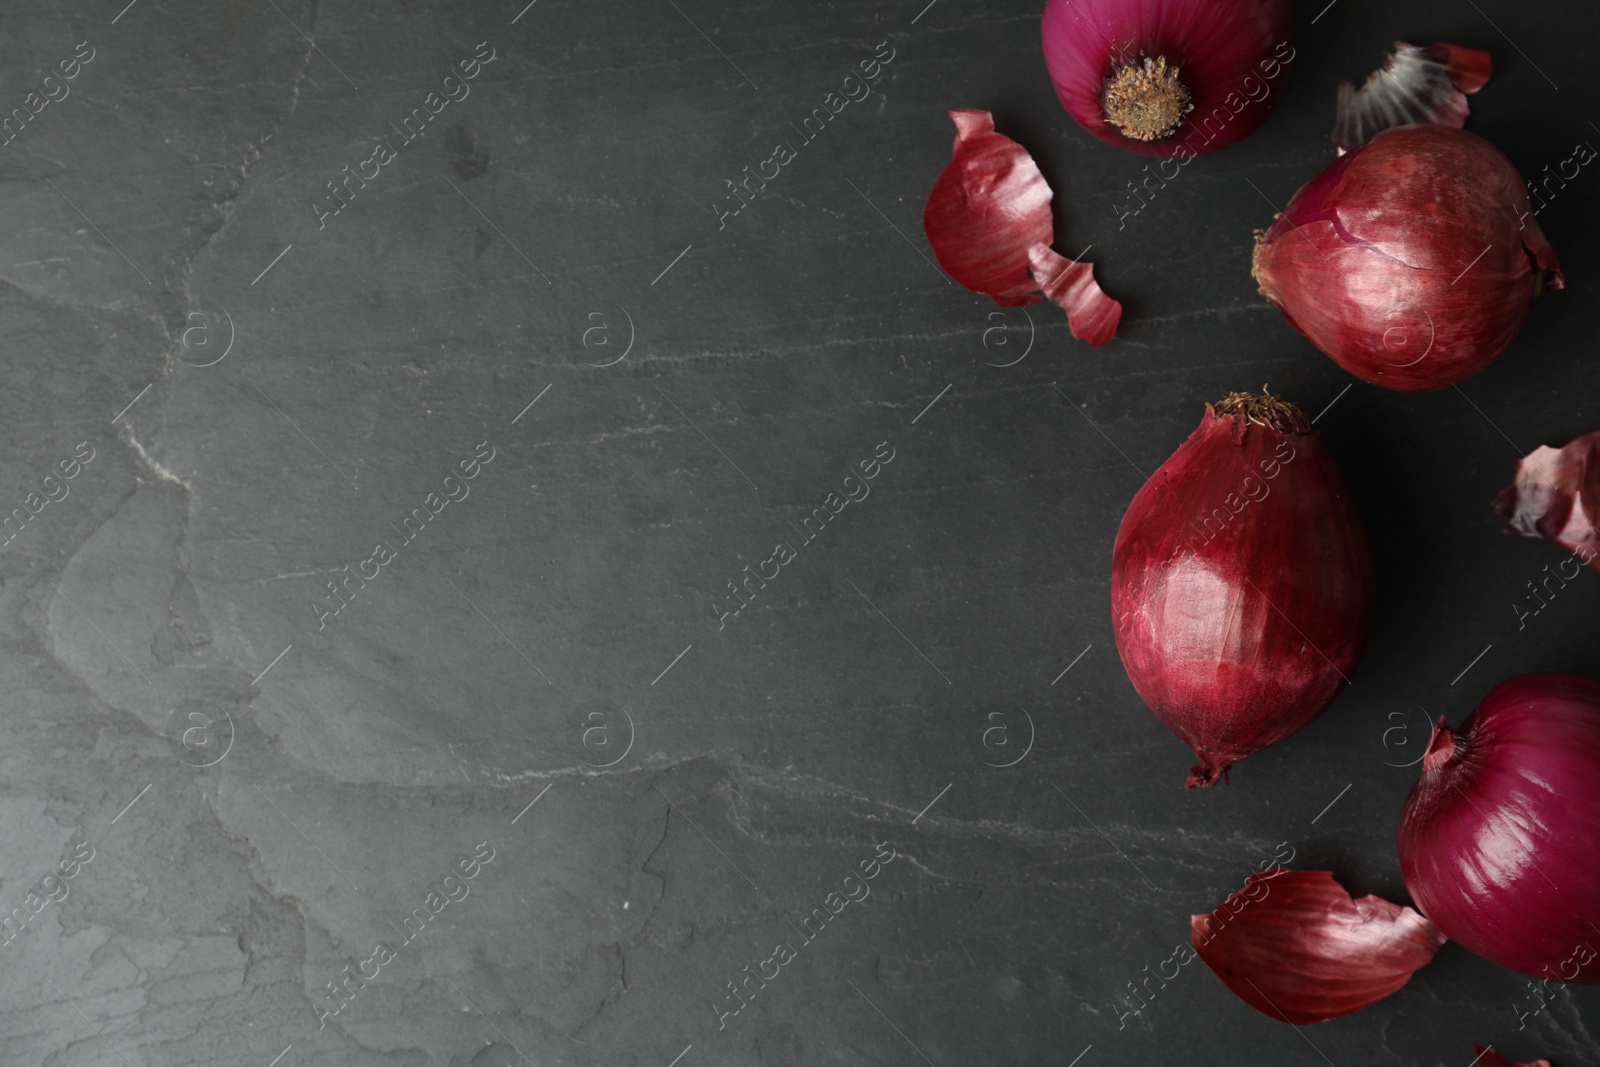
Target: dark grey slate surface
553,638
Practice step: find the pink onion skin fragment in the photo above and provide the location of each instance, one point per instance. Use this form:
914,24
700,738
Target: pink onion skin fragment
1091,314
1414,85
1556,496
1302,951
1490,1058
1470,68
986,210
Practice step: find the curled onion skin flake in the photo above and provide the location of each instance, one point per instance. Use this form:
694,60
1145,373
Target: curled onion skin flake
986,210
1500,838
1414,85
988,220
1490,1058
1091,314
1178,78
1411,260
1556,496
1242,590
1303,951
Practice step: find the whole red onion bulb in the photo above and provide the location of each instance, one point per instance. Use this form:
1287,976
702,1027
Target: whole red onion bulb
1242,591
1174,78
1410,260
1500,839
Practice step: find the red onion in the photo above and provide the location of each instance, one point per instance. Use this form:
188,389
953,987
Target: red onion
1490,1058
1500,839
1556,495
1176,78
988,220
1411,260
1241,588
1295,946
1091,315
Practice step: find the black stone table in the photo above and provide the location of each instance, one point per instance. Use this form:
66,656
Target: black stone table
379,673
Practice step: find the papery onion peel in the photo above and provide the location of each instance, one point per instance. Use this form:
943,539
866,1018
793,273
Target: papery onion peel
1487,1057
1413,85
1304,952
988,221
1556,496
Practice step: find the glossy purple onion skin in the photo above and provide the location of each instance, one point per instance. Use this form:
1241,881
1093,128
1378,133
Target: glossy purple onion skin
1233,54
1412,260
1239,635
1500,839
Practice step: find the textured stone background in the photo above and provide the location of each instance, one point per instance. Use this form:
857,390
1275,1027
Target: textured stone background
162,214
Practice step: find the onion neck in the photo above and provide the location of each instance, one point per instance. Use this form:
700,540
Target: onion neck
1441,747
1255,259
1262,409
1146,100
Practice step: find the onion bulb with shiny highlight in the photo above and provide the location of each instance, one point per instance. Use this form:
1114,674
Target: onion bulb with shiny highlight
1500,837
1411,260
1242,590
